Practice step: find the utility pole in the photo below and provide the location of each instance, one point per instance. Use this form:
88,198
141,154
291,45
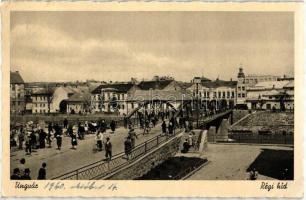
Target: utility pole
197,81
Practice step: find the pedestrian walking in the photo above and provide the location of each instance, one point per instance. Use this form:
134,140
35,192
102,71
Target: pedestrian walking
33,141
81,131
170,128
74,141
28,145
58,136
164,127
108,149
99,139
190,139
128,147
42,139
21,138
132,136
65,123
49,136
42,172
113,126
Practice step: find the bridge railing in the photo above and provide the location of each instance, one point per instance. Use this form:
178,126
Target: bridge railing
102,168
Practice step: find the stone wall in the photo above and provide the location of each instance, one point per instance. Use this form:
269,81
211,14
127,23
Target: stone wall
239,114
144,164
265,120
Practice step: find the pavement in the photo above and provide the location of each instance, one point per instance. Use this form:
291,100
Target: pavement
230,161
65,160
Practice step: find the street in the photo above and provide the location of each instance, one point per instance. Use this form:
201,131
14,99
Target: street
67,159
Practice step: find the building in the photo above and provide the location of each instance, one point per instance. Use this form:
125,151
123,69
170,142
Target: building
241,89
17,93
41,100
247,82
277,95
61,95
252,79
111,97
78,103
215,94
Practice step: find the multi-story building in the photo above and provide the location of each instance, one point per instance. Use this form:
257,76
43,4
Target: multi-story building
17,93
241,89
252,79
111,97
271,95
41,101
215,94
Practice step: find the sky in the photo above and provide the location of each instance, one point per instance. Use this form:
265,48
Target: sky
102,45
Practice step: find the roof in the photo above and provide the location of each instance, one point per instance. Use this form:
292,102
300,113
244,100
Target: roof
79,97
147,85
289,85
219,83
183,85
270,84
43,91
16,78
120,87
161,95
203,79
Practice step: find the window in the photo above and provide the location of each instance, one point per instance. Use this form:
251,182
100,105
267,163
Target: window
122,106
228,94
223,94
118,96
207,94
239,95
233,94
215,94
243,95
243,88
219,94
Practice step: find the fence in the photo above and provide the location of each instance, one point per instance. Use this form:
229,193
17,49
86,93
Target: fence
262,139
102,168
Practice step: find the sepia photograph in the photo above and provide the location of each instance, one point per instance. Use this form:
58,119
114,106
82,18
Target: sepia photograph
135,95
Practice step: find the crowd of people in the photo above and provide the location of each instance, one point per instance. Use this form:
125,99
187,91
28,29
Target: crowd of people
34,136
22,172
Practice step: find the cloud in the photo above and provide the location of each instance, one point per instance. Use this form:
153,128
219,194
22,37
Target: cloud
43,53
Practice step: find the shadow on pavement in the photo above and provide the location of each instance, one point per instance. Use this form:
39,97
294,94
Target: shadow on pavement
273,163
173,169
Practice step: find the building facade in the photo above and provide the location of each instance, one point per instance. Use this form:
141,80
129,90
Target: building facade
275,95
17,93
215,94
111,98
41,101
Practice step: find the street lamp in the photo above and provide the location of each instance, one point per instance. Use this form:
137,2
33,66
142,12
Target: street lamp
197,81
